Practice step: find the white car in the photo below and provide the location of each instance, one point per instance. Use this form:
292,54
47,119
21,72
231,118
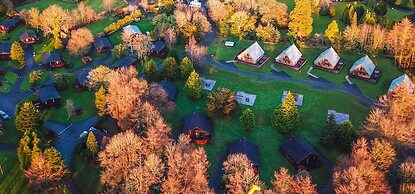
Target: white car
3,115
83,134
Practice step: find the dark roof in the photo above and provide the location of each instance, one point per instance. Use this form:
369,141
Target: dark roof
102,138
124,62
246,147
47,93
10,22
82,78
5,48
158,46
51,56
197,120
102,42
170,89
297,149
27,34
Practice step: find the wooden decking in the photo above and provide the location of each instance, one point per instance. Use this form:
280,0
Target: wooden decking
297,66
337,69
373,79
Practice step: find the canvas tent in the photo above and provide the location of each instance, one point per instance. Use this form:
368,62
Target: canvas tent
403,81
290,56
252,54
364,67
327,59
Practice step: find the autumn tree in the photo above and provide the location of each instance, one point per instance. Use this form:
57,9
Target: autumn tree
158,97
286,117
17,54
357,173
401,42
27,118
332,31
268,33
100,101
351,34
187,168
98,77
144,116
186,68
55,20
301,20
382,153
124,93
80,42
222,101
372,38
248,119
193,86
140,44
407,176
273,12
108,4
195,50
151,71
285,183
240,174
92,143
241,23
35,75
28,148
83,14
170,69
157,137
392,119
62,80
191,22
31,17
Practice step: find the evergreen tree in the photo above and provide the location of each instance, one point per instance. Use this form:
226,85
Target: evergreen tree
332,31
301,20
54,157
92,143
150,71
170,69
17,54
329,132
26,117
193,86
186,68
248,118
345,135
100,101
286,117
28,148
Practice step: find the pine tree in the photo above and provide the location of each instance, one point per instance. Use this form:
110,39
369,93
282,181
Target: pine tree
100,101
92,143
193,86
301,20
17,54
28,148
26,117
170,69
248,118
186,68
332,31
286,117
150,71
329,132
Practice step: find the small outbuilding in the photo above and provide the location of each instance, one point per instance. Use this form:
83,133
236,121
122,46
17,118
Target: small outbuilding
102,45
52,59
198,126
403,81
131,30
254,55
330,61
28,37
365,69
5,51
49,97
301,154
124,62
158,49
9,25
291,57
170,88
246,147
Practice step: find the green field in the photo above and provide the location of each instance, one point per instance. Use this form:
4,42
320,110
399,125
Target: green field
12,179
97,5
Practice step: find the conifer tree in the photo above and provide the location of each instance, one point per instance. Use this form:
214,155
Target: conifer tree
329,133
301,20
28,148
92,143
26,117
186,68
248,118
170,69
100,101
286,117
332,31
193,86
17,54
150,71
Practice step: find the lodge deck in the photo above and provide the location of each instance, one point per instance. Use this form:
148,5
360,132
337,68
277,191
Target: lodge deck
297,66
337,69
373,79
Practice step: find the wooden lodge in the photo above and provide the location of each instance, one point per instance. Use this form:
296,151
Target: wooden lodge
301,154
329,61
124,62
199,127
5,51
102,45
254,55
402,81
170,89
248,148
158,49
291,57
365,69
9,25
52,59
82,80
49,97
28,37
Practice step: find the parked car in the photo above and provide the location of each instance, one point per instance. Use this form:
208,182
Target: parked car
3,115
83,134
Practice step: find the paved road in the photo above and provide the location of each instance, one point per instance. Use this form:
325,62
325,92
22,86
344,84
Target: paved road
7,147
68,135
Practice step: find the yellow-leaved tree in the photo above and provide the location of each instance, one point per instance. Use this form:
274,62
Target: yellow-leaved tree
301,20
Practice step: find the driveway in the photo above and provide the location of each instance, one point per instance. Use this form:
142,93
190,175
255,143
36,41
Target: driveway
68,135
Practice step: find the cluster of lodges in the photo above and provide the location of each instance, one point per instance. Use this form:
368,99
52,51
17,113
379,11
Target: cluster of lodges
329,60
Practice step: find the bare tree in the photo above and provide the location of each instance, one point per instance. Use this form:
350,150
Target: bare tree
170,37
196,51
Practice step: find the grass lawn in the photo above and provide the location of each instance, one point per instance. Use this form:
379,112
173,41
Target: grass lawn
12,180
229,129
97,5
11,135
84,176
27,85
8,81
